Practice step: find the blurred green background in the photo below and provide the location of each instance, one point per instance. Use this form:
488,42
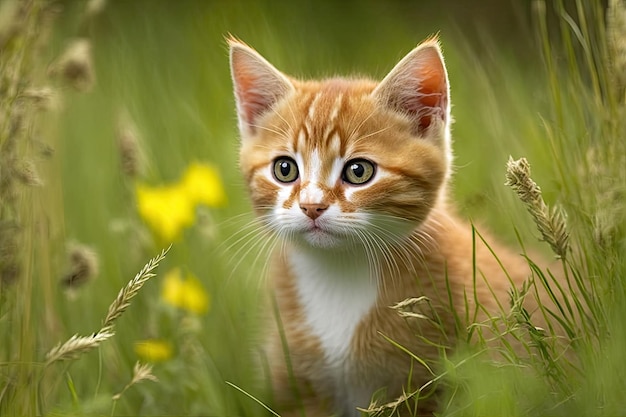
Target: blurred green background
164,66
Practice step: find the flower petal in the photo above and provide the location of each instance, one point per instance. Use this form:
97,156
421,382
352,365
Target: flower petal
154,350
203,185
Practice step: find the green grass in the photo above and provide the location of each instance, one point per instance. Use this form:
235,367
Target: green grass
552,98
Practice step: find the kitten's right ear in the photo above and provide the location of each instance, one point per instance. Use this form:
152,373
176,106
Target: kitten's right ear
258,85
418,87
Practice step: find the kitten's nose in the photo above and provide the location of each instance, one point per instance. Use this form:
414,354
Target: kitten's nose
313,210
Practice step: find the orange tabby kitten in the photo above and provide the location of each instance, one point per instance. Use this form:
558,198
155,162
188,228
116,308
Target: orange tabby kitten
352,175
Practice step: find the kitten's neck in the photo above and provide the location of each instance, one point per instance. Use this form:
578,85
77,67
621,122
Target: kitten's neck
341,258
330,286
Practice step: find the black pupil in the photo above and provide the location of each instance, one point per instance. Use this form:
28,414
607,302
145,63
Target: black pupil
285,168
358,170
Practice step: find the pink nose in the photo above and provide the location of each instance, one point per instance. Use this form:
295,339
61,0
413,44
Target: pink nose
313,210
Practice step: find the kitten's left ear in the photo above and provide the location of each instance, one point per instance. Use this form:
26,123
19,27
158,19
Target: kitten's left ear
258,85
418,87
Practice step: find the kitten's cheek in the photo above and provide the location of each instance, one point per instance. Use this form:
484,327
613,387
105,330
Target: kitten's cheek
357,198
264,193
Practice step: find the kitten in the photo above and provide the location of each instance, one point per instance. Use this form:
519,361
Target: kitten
352,174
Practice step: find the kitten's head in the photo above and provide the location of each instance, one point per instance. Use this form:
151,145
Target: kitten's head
338,162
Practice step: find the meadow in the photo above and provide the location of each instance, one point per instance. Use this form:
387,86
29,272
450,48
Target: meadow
118,141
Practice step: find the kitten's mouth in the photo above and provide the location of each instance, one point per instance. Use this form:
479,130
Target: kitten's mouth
315,226
315,229
319,236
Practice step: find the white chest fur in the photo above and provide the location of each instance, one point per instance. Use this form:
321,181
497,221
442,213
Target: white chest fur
336,291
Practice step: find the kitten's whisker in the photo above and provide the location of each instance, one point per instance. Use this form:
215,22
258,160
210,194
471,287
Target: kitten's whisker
255,224
421,236
246,234
236,219
356,129
355,113
266,248
391,248
397,245
246,252
293,117
250,231
249,244
371,255
280,132
383,250
360,138
289,126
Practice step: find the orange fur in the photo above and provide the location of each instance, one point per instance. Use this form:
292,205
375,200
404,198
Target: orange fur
417,248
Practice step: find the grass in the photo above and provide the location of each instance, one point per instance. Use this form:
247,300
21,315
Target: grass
158,82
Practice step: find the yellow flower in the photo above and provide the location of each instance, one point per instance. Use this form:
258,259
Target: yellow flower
154,350
166,209
203,185
187,294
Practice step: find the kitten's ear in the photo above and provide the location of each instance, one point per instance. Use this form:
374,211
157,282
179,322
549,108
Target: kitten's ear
418,87
258,85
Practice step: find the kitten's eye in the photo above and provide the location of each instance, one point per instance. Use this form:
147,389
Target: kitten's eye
285,169
358,171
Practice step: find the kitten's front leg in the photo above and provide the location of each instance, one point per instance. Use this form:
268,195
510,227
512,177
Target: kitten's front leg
310,408
292,392
296,399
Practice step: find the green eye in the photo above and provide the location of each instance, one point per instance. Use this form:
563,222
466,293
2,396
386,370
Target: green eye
358,171
285,169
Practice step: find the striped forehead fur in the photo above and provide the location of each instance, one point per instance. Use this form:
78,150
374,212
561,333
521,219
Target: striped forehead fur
326,105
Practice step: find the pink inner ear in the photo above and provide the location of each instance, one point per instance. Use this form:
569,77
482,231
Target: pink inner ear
252,102
258,85
431,96
418,87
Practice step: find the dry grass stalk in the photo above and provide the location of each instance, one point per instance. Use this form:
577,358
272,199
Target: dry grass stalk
131,289
11,21
141,372
21,23
44,98
10,230
131,153
26,172
605,173
76,66
94,7
550,221
84,266
410,307
616,33
76,346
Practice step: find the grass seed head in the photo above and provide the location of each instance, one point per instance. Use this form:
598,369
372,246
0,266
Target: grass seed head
44,98
126,294
84,266
26,172
76,346
132,157
550,221
616,34
94,7
141,372
9,251
75,65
